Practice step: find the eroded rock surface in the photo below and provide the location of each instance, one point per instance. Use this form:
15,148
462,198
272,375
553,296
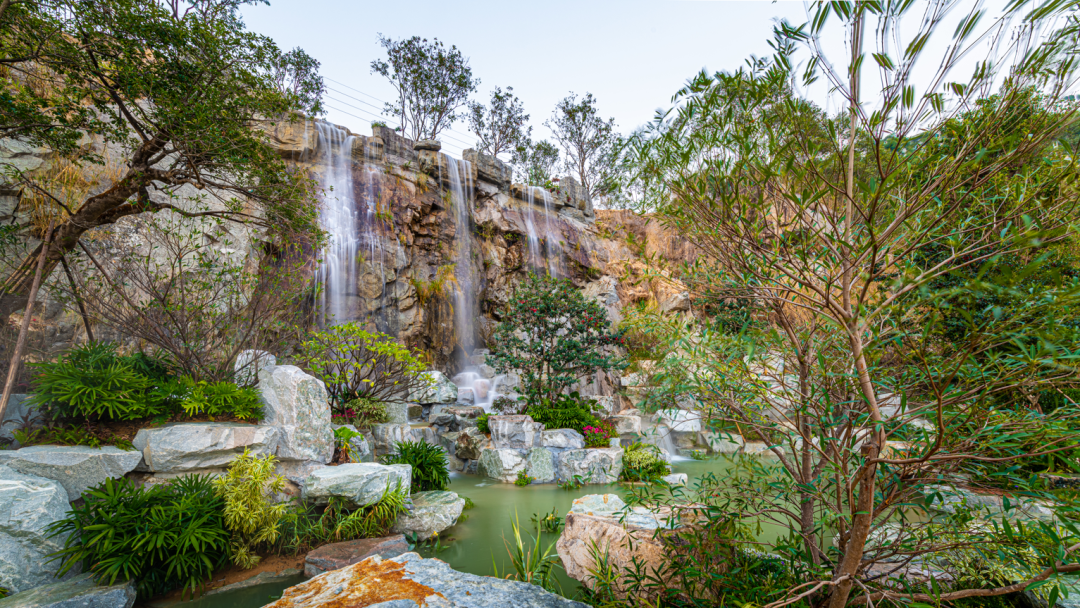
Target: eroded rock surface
298,404
339,555
78,592
431,513
515,432
595,465
191,446
76,468
359,483
410,580
28,504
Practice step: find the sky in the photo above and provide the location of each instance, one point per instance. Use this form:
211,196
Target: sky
632,55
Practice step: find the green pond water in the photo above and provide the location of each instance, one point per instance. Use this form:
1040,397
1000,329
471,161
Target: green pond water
479,544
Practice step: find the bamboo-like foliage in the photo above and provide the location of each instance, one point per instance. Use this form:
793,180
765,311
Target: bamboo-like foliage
826,224
248,489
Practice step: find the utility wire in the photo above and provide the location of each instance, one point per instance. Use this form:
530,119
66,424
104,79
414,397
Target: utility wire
453,148
451,129
383,116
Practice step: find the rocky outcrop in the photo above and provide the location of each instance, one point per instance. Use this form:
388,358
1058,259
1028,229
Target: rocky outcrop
340,555
562,439
359,483
438,389
431,513
193,446
629,537
249,363
28,504
298,404
78,592
596,465
540,465
515,432
76,468
502,464
409,580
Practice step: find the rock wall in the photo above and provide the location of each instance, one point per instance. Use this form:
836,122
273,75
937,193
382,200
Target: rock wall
409,284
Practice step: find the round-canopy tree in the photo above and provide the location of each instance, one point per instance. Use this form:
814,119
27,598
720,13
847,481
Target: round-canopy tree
554,336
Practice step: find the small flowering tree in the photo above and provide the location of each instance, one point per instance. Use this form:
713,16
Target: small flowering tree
553,336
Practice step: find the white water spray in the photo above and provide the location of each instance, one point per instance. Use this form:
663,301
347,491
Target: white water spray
337,273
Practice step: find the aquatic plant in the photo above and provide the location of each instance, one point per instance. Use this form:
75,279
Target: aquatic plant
305,527
643,462
534,565
523,479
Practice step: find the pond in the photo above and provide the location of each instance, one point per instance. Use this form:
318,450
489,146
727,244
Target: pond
479,544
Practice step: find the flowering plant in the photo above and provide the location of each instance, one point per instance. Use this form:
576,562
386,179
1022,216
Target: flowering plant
599,436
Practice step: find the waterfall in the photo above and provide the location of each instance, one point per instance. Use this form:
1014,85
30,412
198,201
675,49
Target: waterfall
461,194
337,272
551,251
530,229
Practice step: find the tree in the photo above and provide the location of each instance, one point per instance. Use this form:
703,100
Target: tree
534,163
297,76
500,127
824,223
432,82
554,337
586,140
172,96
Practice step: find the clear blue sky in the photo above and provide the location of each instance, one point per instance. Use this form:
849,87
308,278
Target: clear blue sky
631,54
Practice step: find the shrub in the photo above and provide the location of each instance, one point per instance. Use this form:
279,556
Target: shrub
222,399
362,412
554,336
68,434
250,514
93,382
482,424
355,363
508,406
303,528
598,435
161,536
563,412
523,479
343,437
430,469
642,462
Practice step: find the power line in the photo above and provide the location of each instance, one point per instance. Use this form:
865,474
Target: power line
444,134
453,148
451,129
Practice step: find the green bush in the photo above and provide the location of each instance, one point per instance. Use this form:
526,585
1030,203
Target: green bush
250,513
482,423
362,412
163,537
642,462
222,399
304,528
523,479
563,412
430,469
357,363
68,434
508,406
554,336
93,382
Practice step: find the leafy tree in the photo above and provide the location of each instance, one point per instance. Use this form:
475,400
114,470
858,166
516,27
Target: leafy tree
173,95
534,163
432,82
297,76
824,224
586,140
500,127
553,336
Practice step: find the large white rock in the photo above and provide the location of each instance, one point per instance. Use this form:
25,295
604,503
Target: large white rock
409,580
540,465
438,389
388,435
590,465
77,468
431,513
249,363
28,504
626,424
562,439
297,403
359,483
191,446
78,592
502,463
680,421
515,432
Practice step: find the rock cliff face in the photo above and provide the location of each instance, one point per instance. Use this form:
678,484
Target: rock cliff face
432,273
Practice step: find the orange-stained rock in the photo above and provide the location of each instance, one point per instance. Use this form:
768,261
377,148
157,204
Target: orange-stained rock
339,555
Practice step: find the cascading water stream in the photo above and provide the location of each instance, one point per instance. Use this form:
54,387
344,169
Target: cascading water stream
338,216
554,250
461,194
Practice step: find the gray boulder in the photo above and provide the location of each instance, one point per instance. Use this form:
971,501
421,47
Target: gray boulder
422,582
540,465
388,435
78,592
515,432
591,465
28,504
339,555
469,443
249,363
431,513
77,468
562,439
191,446
359,483
16,415
439,389
297,403
502,463
397,412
